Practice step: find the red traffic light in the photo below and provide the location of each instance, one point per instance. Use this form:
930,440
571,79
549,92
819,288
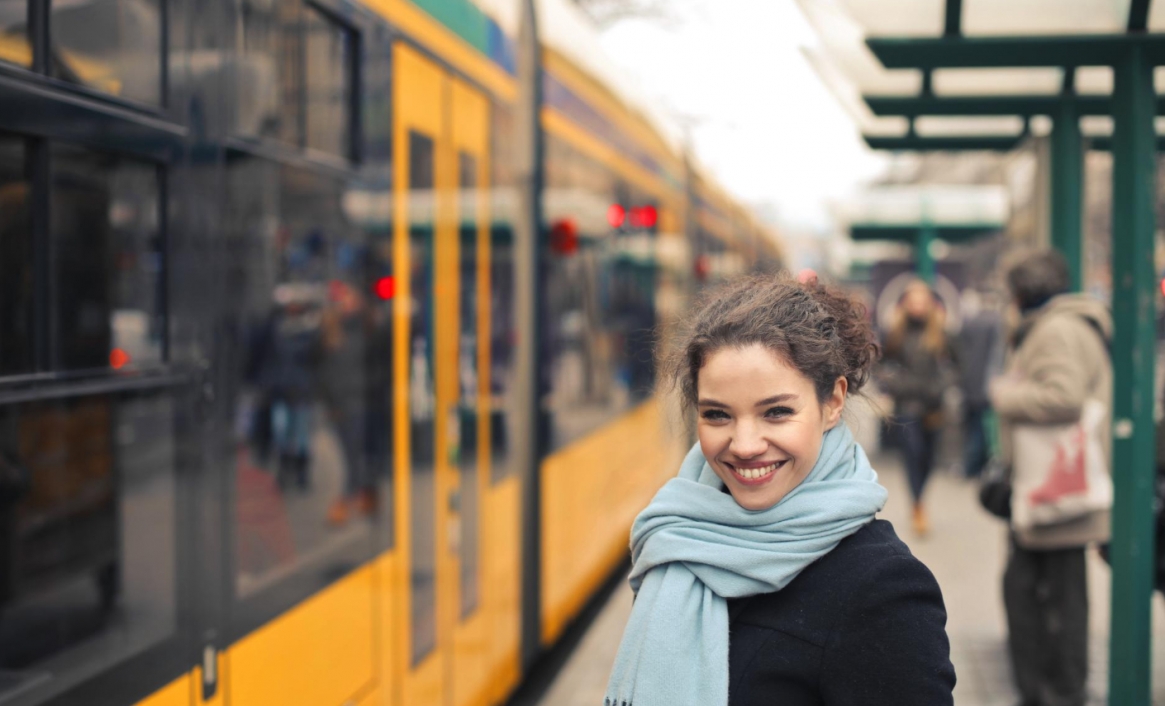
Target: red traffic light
118,359
385,288
644,217
616,215
564,236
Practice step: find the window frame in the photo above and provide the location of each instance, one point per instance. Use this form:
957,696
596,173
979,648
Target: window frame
40,70
352,157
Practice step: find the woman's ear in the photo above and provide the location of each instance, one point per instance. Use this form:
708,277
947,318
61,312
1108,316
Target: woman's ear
835,404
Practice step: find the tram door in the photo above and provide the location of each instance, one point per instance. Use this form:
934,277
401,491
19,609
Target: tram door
441,243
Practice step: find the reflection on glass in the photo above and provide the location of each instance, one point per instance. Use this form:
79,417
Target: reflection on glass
113,46
467,373
503,328
422,397
306,452
329,83
600,311
108,258
16,260
87,535
269,77
14,46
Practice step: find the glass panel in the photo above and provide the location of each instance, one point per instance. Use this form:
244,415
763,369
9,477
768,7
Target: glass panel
109,278
329,84
468,375
503,326
16,260
1157,17
993,17
956,82
1096,80
920,18
269,78
600,310
843,59
113,46
304,473
87,514
422,396
1003,125
14,46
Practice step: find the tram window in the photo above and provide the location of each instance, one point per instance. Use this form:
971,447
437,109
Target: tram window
503,326
16,260
329,48
307,443
87,537
469,378
14,45
269,79
599,311
108,260
113,46
422,397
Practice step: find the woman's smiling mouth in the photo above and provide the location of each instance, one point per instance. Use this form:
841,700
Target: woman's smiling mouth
756,474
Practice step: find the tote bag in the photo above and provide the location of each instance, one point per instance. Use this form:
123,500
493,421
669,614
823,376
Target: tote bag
1060,470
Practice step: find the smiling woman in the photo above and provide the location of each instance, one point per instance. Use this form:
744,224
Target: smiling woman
763,556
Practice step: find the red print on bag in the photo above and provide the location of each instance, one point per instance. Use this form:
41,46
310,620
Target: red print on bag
1064,477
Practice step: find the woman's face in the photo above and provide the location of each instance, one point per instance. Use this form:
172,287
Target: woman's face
760,424
918,302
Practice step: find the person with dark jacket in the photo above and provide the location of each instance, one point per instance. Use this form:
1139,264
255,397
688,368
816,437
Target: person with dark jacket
917,356
761,574
1059,361
980,346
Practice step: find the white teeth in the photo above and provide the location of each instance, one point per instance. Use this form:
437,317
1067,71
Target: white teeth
755,473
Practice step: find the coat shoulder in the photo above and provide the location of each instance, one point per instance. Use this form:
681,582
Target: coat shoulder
827,589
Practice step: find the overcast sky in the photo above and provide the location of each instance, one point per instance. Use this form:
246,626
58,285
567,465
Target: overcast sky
763,122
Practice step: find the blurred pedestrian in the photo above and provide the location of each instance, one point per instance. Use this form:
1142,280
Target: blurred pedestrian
761,573
980,355
914,372
1059,363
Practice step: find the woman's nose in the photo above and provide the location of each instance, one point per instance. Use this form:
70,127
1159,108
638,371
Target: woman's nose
747,442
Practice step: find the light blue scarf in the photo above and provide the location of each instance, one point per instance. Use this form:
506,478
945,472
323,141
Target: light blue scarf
693,547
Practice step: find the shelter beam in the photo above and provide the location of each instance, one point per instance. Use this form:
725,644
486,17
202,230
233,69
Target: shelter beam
1013,51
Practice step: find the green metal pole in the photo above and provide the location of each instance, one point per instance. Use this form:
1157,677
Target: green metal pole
923,260
1132,356
1068,188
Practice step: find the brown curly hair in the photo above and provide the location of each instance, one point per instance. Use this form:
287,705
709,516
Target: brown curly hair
817,328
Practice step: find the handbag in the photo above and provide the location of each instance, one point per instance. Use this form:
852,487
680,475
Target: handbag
1060,471
995,479
995,488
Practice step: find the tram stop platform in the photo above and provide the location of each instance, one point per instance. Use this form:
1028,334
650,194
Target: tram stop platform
966,549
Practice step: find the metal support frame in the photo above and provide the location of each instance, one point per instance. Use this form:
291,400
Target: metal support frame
1133,298
1134,105
923,258
1067,179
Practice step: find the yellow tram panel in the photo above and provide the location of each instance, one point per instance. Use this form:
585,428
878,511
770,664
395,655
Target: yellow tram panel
324,647
591,492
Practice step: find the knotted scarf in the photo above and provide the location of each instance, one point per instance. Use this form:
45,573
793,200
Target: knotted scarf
694,547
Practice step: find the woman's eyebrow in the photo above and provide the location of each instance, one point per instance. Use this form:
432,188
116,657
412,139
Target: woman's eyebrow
711,403
787,397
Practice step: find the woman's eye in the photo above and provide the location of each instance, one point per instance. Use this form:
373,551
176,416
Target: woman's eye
778,412
714,415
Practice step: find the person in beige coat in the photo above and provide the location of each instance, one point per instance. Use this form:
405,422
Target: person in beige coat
1059,361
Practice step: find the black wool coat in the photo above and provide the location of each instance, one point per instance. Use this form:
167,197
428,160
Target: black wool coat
864,625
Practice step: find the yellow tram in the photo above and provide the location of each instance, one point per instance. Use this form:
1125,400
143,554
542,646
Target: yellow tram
325,344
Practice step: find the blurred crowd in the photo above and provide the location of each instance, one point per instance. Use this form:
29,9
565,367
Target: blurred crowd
1025,382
